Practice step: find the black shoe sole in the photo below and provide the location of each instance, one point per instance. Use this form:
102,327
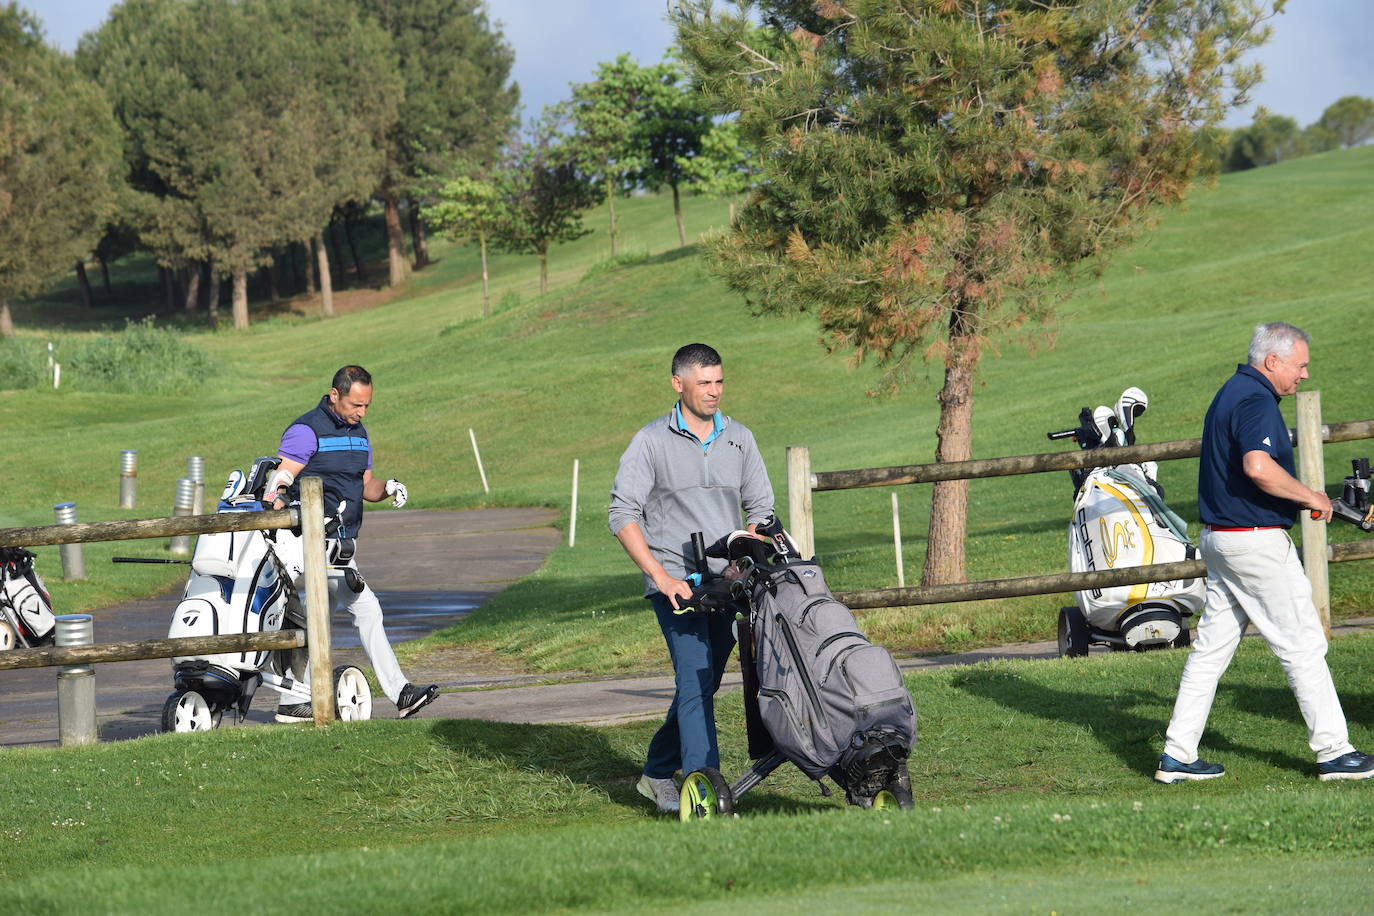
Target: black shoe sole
429,697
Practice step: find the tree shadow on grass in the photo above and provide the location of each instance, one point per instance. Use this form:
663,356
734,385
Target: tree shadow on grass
1132,738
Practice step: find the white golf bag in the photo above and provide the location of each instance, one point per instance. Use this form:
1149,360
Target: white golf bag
244,582
1120,520
26,618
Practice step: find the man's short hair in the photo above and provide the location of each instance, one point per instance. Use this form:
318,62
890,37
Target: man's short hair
349,376
694,356
1277,337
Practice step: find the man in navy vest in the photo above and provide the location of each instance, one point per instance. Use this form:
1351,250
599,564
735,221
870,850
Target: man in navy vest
330,442
1248,498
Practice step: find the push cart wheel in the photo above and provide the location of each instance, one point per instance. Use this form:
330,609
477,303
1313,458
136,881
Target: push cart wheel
1073,633
705,794
1184,639
8,638
896,796
352,694
188,711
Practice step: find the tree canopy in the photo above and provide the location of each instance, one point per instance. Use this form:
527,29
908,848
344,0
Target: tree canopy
1350,119
928,168
60,161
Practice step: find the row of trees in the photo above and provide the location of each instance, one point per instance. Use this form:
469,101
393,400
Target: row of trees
224,136
214,133
1273,138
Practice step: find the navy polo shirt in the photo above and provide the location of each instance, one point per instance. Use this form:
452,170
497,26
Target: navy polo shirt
1244,417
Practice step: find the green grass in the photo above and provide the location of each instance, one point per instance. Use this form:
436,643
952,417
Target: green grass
1032,784
573,374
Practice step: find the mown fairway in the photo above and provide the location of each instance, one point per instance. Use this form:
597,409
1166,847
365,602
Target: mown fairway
1032,783
1032,779
573,374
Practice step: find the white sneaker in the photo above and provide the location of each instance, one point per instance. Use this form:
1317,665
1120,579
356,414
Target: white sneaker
662,792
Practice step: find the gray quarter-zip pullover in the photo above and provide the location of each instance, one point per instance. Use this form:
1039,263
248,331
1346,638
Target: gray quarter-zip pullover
672,485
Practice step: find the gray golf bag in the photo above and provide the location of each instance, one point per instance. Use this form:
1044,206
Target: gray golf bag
816,691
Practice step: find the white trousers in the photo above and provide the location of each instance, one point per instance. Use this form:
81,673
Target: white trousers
1256,577
366,611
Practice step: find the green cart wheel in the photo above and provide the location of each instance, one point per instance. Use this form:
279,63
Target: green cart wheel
705,794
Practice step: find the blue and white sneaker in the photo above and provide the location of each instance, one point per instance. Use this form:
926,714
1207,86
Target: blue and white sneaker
1353,765
1170,771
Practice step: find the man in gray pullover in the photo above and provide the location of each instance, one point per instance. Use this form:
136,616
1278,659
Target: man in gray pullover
692,470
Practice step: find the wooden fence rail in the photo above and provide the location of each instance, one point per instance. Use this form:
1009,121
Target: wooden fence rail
1046,461
143,650
136,528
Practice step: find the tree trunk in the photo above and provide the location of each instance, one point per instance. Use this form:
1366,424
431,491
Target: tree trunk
486,290
105,276
954,442
269,279
677,214
610,205
543,271
336,255
169,293
212,301
353,249
326,285
308,244
193,288
418,240
395,243
6,322
240,300
85,284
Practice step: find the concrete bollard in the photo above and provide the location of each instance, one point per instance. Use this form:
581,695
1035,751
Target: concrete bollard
73,560
195,470
128,478
75,685
186,492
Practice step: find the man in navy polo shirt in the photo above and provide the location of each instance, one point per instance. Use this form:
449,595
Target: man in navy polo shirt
1248,498
330,442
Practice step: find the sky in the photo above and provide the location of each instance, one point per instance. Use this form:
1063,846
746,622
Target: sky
1318,53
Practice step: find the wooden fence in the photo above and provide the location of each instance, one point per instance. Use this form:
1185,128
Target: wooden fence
802,482
310,518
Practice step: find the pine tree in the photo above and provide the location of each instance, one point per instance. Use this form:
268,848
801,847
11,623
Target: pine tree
930,168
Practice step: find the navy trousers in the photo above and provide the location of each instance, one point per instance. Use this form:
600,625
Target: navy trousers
699,645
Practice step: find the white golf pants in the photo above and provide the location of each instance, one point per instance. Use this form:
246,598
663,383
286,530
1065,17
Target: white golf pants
366,611
1256,577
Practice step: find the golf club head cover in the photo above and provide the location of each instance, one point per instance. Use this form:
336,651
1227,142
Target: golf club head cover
398,492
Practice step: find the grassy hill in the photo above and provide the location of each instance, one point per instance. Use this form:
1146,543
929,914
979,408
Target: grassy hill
571,375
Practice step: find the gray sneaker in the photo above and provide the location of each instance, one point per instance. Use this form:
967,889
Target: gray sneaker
662,792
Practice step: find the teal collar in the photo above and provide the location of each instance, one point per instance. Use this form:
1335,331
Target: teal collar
717,424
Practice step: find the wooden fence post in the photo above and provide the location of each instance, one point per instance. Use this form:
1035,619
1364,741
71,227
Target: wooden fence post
316,600
1312,473
799,519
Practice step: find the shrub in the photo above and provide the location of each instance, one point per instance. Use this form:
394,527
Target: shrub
143,358
23,364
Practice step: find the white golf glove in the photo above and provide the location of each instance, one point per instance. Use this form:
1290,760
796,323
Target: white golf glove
398,492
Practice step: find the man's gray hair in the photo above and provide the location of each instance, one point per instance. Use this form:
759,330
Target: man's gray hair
1277,337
